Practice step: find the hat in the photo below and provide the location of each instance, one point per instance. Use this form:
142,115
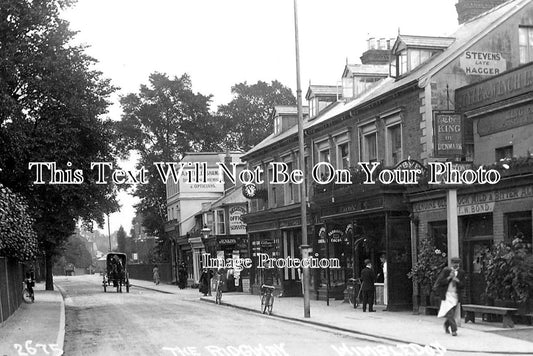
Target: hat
367,261
455,259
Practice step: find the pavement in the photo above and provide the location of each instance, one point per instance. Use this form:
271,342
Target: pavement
41,325
37,328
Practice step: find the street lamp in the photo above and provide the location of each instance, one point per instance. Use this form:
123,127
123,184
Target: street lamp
205,235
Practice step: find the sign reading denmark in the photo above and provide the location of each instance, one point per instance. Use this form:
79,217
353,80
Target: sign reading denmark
482,63
448,135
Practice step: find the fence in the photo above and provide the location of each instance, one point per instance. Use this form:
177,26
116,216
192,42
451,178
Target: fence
144,271
11,277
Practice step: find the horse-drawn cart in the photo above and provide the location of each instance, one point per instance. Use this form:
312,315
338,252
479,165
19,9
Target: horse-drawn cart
116,272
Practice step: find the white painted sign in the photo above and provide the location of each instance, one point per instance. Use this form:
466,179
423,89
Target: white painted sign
236,225
482,63
480,208
205,183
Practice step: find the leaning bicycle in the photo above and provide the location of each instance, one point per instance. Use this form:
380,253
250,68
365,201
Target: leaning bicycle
267,299
354,292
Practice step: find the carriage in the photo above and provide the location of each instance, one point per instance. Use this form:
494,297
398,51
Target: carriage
116,273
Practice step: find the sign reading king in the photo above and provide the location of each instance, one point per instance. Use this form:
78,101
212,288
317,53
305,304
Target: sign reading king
448,134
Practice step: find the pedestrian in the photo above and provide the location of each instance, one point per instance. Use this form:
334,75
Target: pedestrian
383,259
205,279
448,287
182,275
155,272
368,278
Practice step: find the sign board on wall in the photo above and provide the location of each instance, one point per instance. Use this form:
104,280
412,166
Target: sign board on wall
482,63
499,121
236,225
448,134
189,183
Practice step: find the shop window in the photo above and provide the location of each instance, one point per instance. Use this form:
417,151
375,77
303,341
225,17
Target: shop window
477,226
504,153
438,230
519,227
220,222
525,38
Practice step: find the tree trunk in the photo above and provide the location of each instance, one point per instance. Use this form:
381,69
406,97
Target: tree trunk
49,264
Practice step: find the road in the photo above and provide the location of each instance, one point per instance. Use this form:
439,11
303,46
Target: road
145,322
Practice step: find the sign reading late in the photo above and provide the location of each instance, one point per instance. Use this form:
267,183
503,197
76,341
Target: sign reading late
482,63
448,135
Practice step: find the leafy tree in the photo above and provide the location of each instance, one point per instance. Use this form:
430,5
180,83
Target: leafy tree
17,237
76,252
162,121
51,103
121,240
248,117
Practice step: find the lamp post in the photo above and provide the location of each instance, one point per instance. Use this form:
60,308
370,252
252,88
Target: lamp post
205,235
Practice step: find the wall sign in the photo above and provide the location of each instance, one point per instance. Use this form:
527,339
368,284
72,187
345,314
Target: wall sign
236,225
505,120
482,63
448,134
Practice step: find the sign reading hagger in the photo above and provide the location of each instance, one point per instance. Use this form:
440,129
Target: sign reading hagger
482,63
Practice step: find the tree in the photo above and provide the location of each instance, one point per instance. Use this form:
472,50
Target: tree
121,240
76,252
162,122
248,117
51,103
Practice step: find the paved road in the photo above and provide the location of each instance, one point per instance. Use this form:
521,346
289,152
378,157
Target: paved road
145,322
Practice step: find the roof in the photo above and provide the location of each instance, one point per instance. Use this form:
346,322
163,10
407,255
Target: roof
465,36
366,69
321,90
423,41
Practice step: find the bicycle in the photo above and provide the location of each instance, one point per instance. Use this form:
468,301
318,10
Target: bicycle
218,294
354,299
27,293
267,299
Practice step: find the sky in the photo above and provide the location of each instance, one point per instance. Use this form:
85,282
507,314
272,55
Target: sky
219,43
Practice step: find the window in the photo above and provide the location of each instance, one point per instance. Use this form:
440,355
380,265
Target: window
277,125
504,153
394,144
208,221
289,187
323,156
525,38
519,227
370,151
220,222
313,107
343,156
439,232
402,58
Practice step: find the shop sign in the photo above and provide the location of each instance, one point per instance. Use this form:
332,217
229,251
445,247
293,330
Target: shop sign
335,236
510,84
448,134
236,225
482,63
211,183
267,243
505,120
475,209
227,242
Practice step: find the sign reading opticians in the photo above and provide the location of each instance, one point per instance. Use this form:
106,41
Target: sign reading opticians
448,135
482,63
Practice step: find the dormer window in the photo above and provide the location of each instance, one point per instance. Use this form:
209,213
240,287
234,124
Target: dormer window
277,125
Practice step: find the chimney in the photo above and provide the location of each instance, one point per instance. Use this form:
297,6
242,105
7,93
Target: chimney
468,9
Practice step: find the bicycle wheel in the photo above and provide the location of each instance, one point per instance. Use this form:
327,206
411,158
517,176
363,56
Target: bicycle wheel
270,304
218,298
26,296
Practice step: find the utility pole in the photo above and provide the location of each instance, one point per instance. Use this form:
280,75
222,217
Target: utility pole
303,194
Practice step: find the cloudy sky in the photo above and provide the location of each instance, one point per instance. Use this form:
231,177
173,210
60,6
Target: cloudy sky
223,42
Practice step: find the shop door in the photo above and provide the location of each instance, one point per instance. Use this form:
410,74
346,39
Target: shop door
400,288
475,252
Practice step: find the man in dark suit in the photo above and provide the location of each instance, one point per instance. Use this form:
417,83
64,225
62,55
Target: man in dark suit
448,287
368,278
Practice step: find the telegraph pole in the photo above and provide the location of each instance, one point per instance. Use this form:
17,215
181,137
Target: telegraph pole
303,194
109,232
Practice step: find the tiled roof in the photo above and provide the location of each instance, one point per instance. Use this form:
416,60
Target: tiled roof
467,34
426,41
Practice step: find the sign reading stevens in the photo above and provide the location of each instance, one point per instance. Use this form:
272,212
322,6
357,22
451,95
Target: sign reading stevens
482,63
448,135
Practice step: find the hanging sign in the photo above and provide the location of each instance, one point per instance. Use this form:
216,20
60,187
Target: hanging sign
448,134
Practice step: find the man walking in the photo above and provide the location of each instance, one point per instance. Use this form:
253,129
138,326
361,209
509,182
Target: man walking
368,278
448,287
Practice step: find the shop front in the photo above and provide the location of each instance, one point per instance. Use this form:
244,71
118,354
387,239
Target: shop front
486,215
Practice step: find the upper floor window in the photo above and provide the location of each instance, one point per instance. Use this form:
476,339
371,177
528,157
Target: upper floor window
369,143
343,156
525,38
394,144
220,222
410,58
277,125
